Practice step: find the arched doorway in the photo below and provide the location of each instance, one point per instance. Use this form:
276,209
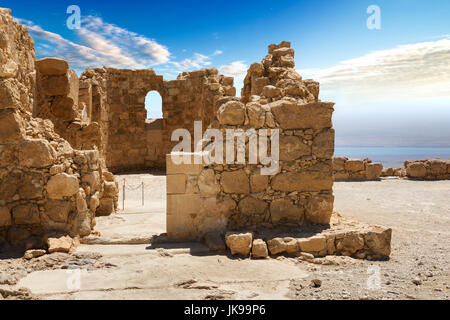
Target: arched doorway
153,105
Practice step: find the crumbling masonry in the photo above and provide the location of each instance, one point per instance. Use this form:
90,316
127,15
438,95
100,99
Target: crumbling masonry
63,137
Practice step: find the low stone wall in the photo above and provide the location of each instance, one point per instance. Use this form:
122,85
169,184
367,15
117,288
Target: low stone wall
343,237
345,169
435,169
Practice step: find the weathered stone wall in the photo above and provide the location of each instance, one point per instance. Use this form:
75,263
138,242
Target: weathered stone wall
205,198
435,169
130,141
45,185
345,169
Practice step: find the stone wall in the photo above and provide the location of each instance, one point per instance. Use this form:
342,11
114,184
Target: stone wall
45,185
345,169
209,197
118,105
435,169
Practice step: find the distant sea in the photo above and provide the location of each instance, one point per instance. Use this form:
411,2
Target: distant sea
393,157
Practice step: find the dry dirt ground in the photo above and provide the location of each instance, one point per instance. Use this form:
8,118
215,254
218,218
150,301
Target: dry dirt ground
112,268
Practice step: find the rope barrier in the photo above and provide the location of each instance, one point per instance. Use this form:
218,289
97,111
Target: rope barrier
126,186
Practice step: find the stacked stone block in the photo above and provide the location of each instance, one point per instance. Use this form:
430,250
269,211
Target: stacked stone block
345,169
234,196
45,185
435,169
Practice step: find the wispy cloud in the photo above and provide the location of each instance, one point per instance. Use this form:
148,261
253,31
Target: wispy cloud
100,44
104,44
405,72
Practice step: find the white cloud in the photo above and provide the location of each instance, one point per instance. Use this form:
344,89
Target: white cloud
104,44
236,69
196,62
405,72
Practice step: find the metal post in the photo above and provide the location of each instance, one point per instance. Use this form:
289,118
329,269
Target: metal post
123,196
142,193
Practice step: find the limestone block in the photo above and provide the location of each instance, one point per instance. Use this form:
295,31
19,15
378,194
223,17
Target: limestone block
378,241
36,153
93,179
316,115
271,91
64,108
58,210
319,209
31,186
9,94
259,249
26,214
282,245
62,185
292,148
313,244
349,243
188,169
106,207
287,61
283,209
231,113
313,87
176,184
235,182
109,189
52,66
373,171
438,167
258,84
56,85
256,115
416,170
323,144
11,126
183,204
355,165
303,181
31,254
258,183
207,182
339,163
62,244
277,53
5,217
239,243
251,206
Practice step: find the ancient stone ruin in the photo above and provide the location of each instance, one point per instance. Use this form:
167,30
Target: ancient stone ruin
346,169
46,185
435,169
63,137
209,200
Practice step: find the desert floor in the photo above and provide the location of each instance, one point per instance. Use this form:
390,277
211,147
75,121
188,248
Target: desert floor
418,213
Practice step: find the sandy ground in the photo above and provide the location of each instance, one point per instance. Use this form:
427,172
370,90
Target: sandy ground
418,213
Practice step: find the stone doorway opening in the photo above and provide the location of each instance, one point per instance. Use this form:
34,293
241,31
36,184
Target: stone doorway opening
153,105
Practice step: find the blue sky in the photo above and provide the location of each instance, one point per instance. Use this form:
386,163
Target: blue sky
391,85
